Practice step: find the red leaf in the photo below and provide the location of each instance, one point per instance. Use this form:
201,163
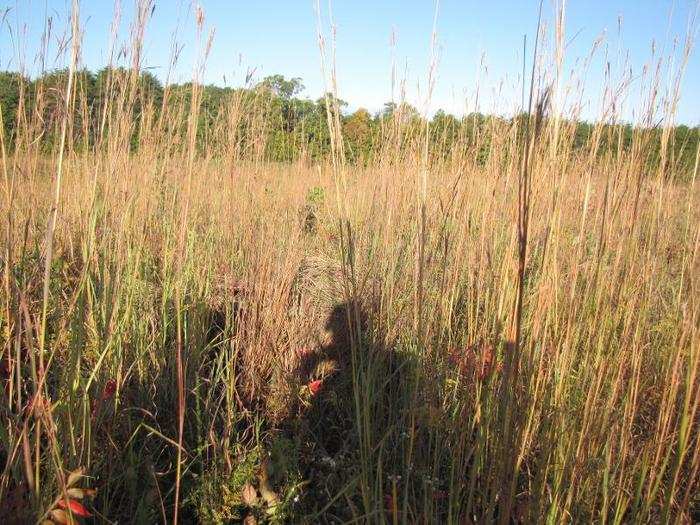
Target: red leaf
109,390
75,507
315,386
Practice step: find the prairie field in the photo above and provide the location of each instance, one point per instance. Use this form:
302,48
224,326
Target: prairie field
211,317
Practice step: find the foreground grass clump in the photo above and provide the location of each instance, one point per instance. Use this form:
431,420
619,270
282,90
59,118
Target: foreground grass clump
504,330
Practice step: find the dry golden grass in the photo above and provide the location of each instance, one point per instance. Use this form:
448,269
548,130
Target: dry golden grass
194,294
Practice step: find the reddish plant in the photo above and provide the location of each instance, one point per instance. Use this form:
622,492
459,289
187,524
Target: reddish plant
109,389
440,495
474,361
303,352
315,386
108,392
75,507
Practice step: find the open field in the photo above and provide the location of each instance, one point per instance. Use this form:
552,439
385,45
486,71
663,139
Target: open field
502,328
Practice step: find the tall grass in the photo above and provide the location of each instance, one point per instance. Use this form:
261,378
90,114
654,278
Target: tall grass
503,331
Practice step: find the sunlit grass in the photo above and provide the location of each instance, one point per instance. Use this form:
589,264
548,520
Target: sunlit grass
206,331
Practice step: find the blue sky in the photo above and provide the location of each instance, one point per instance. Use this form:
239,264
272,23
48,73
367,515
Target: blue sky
279,36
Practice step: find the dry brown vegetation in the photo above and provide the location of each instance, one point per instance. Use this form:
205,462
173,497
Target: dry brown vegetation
449,338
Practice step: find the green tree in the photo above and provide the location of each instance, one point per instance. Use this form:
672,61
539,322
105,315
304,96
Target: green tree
357,129
281,87
9,101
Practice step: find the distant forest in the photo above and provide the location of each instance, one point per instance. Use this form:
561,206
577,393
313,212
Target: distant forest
269,121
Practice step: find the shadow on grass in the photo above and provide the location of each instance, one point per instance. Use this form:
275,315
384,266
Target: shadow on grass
366,390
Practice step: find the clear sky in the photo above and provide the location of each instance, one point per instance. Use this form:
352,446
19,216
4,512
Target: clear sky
479,42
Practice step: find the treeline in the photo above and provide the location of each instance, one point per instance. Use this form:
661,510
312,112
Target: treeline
270,121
